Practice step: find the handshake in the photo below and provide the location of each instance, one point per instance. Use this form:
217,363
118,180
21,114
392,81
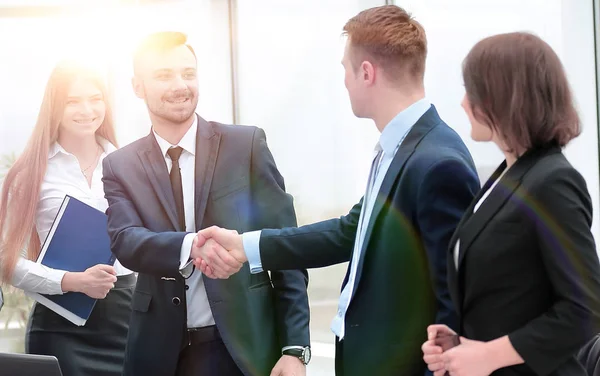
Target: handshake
217,252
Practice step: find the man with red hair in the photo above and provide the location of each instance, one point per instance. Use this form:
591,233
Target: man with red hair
396,238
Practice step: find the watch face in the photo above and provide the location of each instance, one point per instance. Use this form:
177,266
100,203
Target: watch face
306,355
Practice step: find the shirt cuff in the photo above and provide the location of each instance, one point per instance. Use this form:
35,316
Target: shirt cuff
33,277
186,250
251,241
54,278
292,347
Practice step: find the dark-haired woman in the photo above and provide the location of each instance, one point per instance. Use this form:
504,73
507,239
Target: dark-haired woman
523,271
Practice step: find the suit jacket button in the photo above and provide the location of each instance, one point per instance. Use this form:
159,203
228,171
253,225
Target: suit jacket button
176,301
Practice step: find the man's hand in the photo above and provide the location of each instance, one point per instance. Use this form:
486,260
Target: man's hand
289,366
222,264
218,253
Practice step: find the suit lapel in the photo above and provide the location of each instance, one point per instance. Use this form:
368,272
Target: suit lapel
505,188
453,287
155,166
423,126
469,212
207,150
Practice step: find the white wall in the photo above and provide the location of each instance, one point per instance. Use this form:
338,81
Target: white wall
578,56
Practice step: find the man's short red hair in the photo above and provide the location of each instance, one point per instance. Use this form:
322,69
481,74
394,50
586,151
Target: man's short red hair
388,36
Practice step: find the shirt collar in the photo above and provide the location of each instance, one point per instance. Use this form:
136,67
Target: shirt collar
56,148
395,131
106,145
187,143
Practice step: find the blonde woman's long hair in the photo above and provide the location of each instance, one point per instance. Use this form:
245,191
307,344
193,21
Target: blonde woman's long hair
22,184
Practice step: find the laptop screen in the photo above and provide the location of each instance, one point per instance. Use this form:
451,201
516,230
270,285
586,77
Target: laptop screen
29,365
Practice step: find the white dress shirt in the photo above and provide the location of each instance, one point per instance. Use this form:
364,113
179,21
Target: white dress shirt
198,309
63,177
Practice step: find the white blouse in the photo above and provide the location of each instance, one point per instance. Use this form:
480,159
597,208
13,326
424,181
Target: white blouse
63,177
475,208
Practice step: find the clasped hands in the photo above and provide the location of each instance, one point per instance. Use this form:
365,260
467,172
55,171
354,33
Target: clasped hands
469,358
217,252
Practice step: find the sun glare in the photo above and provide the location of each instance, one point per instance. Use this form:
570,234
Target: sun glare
104,36
97,37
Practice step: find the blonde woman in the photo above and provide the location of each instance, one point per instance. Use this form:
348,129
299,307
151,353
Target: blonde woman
74,132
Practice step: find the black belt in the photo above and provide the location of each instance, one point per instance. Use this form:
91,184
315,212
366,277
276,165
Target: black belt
201,335
125,282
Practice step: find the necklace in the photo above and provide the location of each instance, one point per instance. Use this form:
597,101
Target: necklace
84,171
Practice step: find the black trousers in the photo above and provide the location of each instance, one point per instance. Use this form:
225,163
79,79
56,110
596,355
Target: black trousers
339,361
206,355
411,368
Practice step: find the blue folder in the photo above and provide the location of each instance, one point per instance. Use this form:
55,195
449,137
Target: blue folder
77,240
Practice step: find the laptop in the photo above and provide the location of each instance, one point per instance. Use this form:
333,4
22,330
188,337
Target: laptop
28,365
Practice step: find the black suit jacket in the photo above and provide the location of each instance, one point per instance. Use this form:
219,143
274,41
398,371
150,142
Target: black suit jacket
528,266
400,286
237,186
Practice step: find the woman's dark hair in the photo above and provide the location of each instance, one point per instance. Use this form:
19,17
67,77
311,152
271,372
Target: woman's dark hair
516,84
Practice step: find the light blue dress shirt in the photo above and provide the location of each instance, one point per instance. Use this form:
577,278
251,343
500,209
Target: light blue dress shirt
389,142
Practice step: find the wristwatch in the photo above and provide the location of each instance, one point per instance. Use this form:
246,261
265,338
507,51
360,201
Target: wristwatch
300,352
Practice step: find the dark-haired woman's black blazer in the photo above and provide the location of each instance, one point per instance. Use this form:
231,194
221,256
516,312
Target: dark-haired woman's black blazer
527,264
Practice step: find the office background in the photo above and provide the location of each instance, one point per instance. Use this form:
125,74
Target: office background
276,64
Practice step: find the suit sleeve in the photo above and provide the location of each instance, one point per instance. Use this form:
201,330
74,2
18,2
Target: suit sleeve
316,245
273,207
136,247
562,211
446,191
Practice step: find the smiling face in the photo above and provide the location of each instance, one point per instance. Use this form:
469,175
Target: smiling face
84,110
168,82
